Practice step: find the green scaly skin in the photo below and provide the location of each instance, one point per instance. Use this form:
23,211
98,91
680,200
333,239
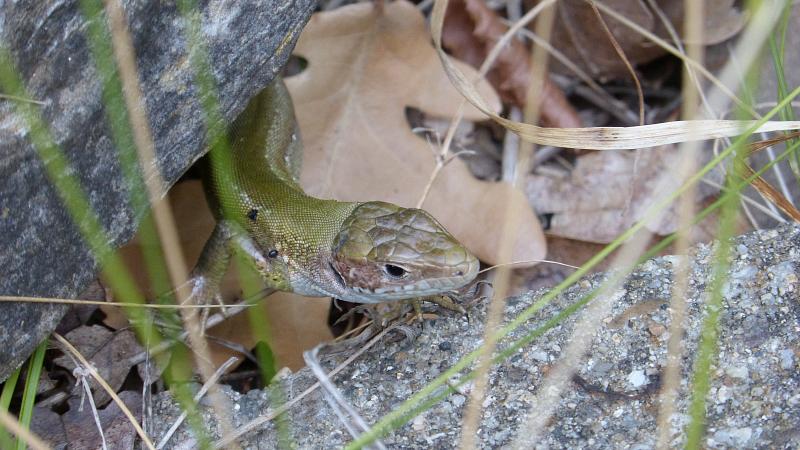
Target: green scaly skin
366,252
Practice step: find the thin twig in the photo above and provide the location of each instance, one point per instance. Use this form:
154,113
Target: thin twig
355,424
624,58
81,377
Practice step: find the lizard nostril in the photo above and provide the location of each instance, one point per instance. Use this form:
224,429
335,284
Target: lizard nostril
459,273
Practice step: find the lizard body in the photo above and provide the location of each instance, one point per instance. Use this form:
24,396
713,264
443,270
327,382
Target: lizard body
363,252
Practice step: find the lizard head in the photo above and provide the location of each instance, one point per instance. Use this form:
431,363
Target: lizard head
384,252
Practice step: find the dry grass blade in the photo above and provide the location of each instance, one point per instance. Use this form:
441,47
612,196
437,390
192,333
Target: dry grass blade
598,138
692,92
762,186
624,58
756,147
510,220
772,194
164,219
21,99
79,302
91,370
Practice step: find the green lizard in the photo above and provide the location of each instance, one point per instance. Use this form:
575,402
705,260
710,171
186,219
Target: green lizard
366,252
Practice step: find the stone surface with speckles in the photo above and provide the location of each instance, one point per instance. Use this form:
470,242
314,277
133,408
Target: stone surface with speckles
41,252
613,400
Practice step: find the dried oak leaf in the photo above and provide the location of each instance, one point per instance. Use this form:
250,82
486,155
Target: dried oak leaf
77,428
471,30
580,36
603,195
366,65
108,351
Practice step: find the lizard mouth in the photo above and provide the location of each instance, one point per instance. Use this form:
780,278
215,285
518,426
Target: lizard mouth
421,288
339,280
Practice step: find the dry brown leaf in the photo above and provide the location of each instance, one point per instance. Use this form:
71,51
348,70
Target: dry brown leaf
603,196
77,428
79,315
472,29
723,19
579,35
365,67
107,351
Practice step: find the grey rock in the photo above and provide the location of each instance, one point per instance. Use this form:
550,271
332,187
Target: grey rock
752,401
41,251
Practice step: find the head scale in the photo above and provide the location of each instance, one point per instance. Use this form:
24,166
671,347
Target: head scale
385,252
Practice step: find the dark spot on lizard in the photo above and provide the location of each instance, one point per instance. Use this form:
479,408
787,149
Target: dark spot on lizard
252,214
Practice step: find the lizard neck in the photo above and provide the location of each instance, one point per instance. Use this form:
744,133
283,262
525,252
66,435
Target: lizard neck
255,185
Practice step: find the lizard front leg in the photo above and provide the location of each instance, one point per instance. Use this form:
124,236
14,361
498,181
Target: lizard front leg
215,258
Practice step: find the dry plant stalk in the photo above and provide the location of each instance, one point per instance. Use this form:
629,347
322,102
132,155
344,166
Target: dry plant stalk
74,301
693,25
511,222
165,222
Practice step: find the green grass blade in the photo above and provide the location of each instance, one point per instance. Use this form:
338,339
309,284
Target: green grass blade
777,47
5,403
707,349
99,40
31,384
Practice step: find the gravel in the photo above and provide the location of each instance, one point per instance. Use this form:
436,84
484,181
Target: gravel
613,400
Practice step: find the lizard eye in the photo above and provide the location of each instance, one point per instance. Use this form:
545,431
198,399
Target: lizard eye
395,271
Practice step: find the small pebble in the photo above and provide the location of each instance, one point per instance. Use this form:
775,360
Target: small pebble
637,378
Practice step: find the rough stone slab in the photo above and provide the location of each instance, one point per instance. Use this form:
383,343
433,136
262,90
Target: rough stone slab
754,399
41,252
